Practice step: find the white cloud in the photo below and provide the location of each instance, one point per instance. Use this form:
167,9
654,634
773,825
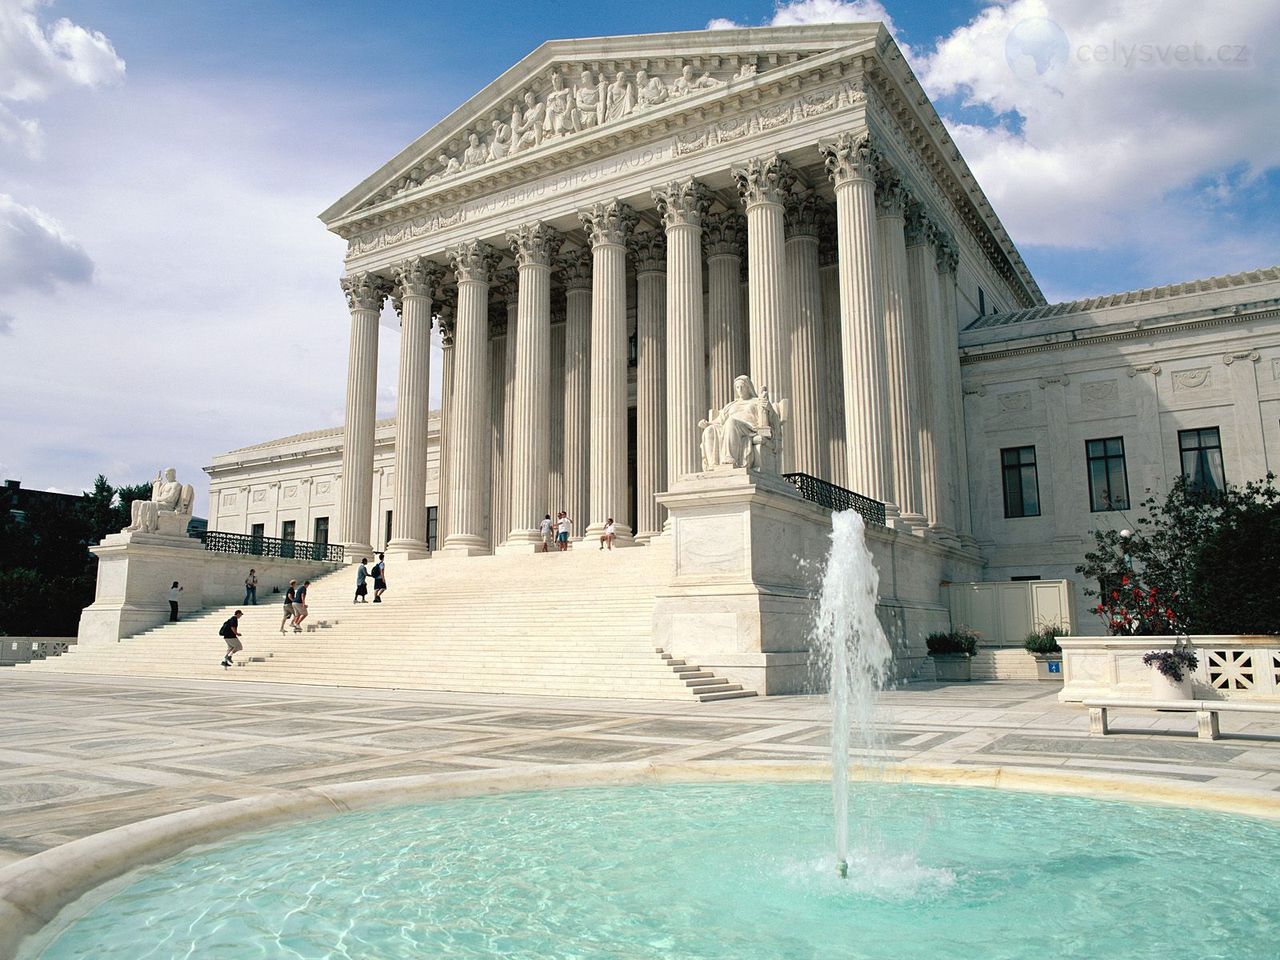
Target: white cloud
817,11
6,324
1114,114
35,250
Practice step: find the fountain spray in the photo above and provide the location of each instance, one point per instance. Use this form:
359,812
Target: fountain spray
848,637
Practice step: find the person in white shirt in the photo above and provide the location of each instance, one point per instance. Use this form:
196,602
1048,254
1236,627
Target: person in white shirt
544,528
563,525
606,539
175,591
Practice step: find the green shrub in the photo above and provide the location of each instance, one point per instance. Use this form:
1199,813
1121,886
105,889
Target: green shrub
960,640
1044,640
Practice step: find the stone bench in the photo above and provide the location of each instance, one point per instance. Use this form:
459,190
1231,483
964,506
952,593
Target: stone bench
1206,712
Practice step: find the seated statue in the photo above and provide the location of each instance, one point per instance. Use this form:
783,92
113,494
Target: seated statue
168,510
746,433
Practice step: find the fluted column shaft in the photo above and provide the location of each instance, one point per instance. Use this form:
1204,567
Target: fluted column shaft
448,327
851,164
472,262
498,427
807,438
534,245
725,236
763,185
508,285
555,453
651,398
905,463
365,294
829,283
608,225
576,271
415,282
950,331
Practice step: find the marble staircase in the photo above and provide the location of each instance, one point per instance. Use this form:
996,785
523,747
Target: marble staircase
577,623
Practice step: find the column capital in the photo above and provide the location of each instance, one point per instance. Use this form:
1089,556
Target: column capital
649,250
947,253
828,238
804,214
891,196
535,244
497,320
849,157
610,222
682,203
919,226
473,260
505,284
725,234
365,291
575,269
417,277
764,180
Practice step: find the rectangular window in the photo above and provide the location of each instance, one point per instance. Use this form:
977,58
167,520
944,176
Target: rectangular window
288,530
982,302
1030,576
387,538
1021,485
321,530
1108,479
433,526
1202,459
258,531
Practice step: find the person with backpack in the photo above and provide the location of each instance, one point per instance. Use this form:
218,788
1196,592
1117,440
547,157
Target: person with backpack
231,633
288,604
379,578
300,606
362,588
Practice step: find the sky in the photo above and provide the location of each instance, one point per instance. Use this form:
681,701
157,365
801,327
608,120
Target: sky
167,292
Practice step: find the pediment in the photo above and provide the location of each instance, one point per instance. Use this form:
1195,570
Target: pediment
568,95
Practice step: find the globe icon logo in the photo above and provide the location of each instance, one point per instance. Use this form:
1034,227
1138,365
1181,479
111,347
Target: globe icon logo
1036,49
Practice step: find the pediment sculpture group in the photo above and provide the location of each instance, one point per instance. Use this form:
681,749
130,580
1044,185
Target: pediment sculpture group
566,109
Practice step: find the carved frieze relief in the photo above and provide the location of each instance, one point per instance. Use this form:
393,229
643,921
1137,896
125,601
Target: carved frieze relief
1185,381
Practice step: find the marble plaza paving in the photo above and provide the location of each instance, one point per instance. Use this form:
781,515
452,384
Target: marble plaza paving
81,755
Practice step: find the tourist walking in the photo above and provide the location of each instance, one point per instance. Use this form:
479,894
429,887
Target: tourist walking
606,538
379,578
230,632
288,603
362,588
175,591
545,528
300,606
563,526
251,588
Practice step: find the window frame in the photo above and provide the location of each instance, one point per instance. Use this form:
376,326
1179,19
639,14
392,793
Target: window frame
1202,459
1106,458
1018,471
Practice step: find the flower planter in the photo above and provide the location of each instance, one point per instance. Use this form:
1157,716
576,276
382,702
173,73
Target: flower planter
1162,688
952,667
1049,667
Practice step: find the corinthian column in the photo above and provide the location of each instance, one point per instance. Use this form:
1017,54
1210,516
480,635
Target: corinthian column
365,294
505,285
947,259
533,245
608,226
448,328
682,205
900,350
851,164
807,438
829,282
469,436
555,388
933,406
497,418
725,236
416,280
649,251
763,185
575,272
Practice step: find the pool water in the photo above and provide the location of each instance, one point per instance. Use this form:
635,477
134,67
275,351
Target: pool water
713,871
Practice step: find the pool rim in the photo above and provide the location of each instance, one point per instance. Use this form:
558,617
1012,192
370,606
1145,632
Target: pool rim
36,890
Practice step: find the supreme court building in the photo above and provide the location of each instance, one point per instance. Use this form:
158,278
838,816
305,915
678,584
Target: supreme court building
608,234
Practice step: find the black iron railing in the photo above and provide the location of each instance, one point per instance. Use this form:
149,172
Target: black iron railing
828,495
215,541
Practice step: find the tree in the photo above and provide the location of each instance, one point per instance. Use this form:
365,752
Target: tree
1199,563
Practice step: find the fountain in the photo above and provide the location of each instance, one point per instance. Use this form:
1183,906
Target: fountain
851,649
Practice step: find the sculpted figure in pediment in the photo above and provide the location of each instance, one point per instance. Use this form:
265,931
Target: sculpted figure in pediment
588,101
526,127
449,164
620,97
475,154
500,141
650,91
559,108
687,83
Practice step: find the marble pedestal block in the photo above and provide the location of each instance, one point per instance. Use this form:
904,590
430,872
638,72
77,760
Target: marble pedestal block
747,553
136,569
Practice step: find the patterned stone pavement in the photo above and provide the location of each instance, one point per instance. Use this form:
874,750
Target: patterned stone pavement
81,755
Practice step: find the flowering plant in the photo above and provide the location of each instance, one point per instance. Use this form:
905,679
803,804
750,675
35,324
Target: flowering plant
1132,608
1174,664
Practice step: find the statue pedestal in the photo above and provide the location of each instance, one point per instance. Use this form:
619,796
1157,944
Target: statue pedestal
134,574
748,557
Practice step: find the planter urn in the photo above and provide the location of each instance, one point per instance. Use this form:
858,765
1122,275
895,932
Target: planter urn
953,667
1049,667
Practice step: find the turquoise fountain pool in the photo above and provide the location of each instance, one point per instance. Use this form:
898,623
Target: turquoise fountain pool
724,870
